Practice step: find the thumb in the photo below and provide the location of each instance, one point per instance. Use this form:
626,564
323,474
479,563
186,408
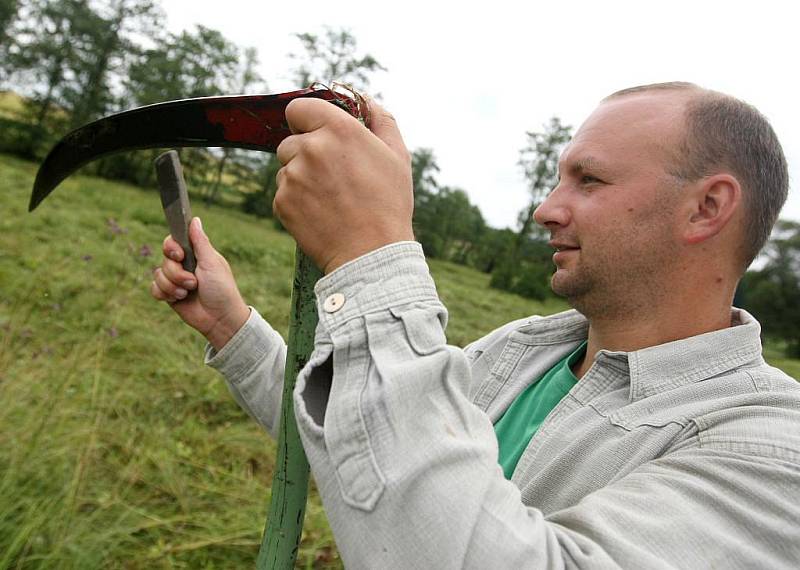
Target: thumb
384,126
203,250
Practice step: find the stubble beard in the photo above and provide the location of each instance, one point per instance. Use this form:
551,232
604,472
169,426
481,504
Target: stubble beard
603,294
616,284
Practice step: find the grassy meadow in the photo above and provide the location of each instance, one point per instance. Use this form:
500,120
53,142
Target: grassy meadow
118,447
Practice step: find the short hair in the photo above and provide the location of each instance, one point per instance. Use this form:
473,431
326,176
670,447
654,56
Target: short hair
724,133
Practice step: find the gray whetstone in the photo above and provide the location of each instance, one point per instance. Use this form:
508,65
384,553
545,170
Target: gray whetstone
176,203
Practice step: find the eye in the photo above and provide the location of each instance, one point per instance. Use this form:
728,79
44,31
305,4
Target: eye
589,179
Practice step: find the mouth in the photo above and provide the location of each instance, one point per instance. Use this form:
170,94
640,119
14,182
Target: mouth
561,246
562,253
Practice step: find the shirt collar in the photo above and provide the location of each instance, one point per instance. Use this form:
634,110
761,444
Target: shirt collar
567,326
666,366
670,365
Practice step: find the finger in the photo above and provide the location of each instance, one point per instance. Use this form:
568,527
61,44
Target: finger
383,124
203,250
172,249
306,114
168,288
175,273
158,294
288,149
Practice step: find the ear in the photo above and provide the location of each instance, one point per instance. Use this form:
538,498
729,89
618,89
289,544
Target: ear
714,201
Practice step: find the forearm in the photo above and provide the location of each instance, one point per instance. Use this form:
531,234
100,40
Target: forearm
252,362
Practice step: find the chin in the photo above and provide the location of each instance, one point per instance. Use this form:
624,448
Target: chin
575,291
563,284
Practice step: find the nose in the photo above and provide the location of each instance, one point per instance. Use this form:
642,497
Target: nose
553,211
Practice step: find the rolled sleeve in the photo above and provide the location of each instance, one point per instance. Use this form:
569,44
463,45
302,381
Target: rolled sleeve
391,276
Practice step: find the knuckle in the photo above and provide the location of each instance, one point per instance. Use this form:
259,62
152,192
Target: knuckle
385,120
172,269
277,203
294,108
341,123
281,206
388,118
290,176
284,150
310,146
164,283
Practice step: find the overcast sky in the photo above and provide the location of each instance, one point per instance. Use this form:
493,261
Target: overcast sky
469,79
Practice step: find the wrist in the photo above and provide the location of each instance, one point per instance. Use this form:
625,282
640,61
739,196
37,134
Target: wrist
225,328
363,247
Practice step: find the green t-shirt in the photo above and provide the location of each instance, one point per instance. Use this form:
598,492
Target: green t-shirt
523,417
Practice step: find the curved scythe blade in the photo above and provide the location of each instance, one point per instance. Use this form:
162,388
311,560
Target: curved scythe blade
255,122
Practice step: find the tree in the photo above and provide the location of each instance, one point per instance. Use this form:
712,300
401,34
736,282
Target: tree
111,33
9,10
539,163
772,294
52,40
260,203
447,225
333,56
423,174
189,64
425,186
525,268
494,247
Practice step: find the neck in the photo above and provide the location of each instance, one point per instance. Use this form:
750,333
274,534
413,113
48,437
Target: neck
687,311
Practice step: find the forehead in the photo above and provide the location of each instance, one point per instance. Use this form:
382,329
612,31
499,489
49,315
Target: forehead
639,129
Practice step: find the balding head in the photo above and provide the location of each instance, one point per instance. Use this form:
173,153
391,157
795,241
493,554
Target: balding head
724,134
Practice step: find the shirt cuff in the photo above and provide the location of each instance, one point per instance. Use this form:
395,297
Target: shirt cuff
243,351
360,286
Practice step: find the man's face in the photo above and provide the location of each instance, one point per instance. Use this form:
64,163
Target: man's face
613,215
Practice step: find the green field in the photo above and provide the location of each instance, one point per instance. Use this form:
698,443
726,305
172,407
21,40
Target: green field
119,448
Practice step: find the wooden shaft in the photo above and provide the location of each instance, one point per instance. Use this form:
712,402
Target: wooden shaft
290,482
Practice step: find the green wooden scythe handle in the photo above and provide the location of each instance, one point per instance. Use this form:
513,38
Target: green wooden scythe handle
290,482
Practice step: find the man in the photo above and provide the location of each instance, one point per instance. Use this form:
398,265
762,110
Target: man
643,430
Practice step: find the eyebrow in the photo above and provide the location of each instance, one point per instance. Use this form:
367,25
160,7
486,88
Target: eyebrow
583,164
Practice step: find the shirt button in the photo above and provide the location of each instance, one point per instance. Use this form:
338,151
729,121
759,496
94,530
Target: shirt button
333,303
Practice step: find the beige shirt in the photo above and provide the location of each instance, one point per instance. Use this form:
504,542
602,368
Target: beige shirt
683,455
